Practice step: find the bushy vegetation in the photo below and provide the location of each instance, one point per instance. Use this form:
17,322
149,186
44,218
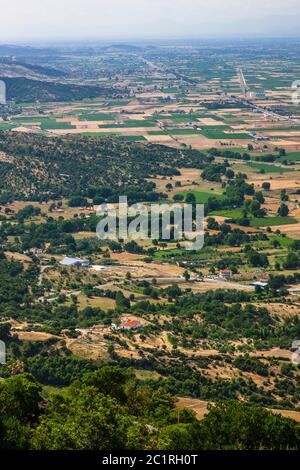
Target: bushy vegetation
42,168
21,89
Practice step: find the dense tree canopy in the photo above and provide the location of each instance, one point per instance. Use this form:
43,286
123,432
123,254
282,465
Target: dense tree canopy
109,409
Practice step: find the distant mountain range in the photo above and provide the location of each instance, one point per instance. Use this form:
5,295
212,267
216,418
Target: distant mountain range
9,50
39,69
24,51
13,68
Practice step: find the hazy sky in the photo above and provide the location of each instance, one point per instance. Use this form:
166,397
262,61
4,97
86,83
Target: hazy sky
106,19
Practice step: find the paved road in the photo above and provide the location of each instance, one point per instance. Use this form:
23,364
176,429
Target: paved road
228,283
266,111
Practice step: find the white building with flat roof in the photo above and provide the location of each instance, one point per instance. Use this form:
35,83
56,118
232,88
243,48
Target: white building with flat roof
78,262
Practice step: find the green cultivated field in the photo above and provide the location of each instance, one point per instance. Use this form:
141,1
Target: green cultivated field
133,138
130,123
223,135
268,168
53,124
182,132
176,119
255,221
229,214
100,134
35,118
129,138
6,126
284,241
293,157
272,221
157,133
96,117
203,196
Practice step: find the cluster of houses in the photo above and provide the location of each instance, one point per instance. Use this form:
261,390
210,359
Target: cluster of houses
70,262
227,274
67,261
259,138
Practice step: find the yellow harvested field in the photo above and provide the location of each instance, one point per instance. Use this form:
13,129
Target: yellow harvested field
200,407
34,336
127,258
87,349
199,142
295,212
188,174
187,177
206,286
91,127
245,229
104,303
288,133
82,235
141,268
280,309
275,352
276,184
161,139
21,129
210,122
295,415
18,257
288,143
233,249
287,228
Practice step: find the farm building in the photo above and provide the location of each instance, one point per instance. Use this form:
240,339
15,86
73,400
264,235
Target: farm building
225,274
257,95
78,262
131,325
97,267
262,284
36,251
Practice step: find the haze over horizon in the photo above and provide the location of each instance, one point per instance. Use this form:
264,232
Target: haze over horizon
93,19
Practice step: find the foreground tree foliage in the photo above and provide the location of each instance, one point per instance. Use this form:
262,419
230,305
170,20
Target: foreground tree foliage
109,409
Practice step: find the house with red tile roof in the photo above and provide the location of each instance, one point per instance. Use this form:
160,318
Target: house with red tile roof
130,325
225,273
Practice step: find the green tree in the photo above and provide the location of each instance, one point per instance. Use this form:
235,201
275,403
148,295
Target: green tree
232,425
86,420
109,381
283,210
